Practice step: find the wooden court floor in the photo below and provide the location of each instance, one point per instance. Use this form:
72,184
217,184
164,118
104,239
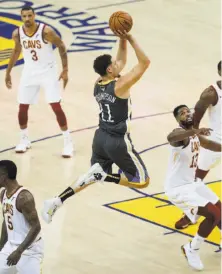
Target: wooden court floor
107,228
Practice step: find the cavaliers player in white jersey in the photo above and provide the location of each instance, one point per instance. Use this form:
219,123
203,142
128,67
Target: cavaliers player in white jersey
210,100
35,40
191,197
21,245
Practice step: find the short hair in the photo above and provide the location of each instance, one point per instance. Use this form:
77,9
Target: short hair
176,110
101,64
27,8
10,168
219,66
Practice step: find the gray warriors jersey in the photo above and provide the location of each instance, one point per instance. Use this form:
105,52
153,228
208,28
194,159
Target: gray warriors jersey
115,113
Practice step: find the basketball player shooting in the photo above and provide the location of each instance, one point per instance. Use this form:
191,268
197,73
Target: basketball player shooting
21,245
35,40
210,100
112,143
193,198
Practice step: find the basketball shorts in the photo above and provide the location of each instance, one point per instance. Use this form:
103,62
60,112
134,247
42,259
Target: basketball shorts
208,159
30,262
32,81
109,149
191,196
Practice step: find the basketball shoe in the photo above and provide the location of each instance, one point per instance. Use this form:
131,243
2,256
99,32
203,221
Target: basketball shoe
68,147
23,145
94,174
192,256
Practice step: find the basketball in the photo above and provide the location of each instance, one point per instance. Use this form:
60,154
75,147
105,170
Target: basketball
120,20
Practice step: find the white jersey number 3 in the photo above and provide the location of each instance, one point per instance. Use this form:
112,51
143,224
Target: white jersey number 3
34,55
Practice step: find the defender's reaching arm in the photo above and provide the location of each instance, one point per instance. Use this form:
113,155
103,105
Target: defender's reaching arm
207,98
179,136
14,57
209,144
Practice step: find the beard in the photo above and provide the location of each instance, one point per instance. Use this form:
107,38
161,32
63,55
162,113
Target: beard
187,123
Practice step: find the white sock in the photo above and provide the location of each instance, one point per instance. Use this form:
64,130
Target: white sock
66,133
24,132
196,242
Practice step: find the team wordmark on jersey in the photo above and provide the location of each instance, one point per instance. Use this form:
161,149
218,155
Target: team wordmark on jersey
157,210
82,31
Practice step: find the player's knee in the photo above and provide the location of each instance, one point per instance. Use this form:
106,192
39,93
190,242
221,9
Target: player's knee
143,184
23,108
56,107
213,213
218,205
146,183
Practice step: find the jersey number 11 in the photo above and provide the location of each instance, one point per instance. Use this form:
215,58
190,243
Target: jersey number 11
106,114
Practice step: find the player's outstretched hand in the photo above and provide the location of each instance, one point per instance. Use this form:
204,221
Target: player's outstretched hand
204,131
14,257
64,77
8,81
122,34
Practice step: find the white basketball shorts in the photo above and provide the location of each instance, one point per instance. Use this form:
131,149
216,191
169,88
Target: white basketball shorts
191,196
32,81
208,159
30,262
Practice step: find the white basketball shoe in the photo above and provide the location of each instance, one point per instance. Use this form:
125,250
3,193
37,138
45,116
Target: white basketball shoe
94,174
23,145
68,147
192,256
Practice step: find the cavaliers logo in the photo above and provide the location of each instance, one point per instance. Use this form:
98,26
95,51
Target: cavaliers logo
8,23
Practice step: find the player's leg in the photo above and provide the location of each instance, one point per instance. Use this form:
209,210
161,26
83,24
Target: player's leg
123,154
52,89
28,94
197,200
99,161
207,160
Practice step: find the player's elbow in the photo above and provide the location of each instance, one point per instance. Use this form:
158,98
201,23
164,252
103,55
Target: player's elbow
146,62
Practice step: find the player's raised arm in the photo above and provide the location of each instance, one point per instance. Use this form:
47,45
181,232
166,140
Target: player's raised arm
121,54
207,98
26,205
126,81
14,57
209,144
52,37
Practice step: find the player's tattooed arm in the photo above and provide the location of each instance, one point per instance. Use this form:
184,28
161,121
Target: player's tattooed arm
26,205
14,57
207,98
51,36
209,144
